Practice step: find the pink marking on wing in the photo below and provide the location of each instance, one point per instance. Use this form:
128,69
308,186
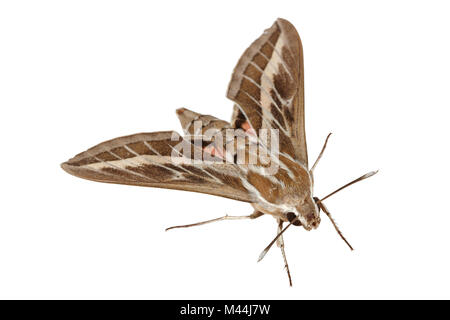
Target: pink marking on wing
248,129
246,126
216,152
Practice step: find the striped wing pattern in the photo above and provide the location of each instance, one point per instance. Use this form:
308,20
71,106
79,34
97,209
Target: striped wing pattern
145,159
267,88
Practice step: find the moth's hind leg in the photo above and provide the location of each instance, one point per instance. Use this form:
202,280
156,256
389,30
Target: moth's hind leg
254,215
280,244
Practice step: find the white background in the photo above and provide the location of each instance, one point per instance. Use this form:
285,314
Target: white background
75,73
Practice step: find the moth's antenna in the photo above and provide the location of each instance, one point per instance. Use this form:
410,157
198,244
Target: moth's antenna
320,154
263,253
367,175
322,206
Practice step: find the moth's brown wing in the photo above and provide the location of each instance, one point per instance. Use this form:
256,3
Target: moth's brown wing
267,88
145,159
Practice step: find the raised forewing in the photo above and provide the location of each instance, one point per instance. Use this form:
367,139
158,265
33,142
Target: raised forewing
147,159
267,88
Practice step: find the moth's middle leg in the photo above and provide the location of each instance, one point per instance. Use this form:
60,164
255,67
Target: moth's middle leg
254,215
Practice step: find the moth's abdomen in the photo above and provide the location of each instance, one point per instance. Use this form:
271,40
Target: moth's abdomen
207,132
194,123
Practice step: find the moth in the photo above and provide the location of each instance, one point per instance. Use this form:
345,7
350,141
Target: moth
267,90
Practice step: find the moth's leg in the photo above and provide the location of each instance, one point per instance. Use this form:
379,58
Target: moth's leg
254,215
320,154
280,244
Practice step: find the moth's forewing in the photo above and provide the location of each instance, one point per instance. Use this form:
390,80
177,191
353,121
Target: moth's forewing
146,159
267,88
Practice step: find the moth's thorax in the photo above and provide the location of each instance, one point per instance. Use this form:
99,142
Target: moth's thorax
288,191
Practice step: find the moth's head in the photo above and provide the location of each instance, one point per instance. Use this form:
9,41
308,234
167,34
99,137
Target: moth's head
307,214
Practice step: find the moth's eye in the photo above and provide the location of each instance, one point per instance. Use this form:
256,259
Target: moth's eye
291,216
315,202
